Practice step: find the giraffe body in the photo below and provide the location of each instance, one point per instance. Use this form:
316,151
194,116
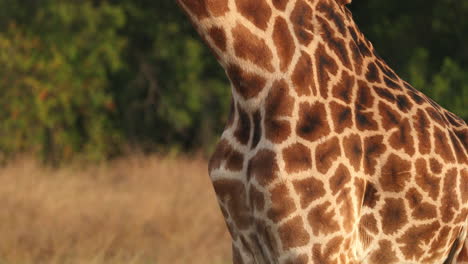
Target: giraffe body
328,156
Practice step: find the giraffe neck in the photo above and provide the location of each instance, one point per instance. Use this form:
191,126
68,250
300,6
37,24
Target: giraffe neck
295,43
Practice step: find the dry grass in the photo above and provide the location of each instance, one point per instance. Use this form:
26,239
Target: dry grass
137,210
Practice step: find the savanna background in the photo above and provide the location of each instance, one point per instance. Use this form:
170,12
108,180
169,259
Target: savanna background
109,110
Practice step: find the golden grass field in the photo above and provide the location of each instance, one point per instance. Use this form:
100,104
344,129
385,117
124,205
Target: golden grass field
137,210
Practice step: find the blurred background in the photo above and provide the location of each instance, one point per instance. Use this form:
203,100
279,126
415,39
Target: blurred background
102,103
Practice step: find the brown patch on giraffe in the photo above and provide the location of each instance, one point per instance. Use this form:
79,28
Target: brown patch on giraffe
217,7
297,158
453,119
352,146
247,84
428,182
340,179
435,115
312,123
402,139
436,167
373,74
369,223
343,90
342,116
367,226
356,57
293,234
394,215
224,152
439,242
309,190
284,43
242,132
232,193
250,47
462,216
385,254
458,148
420,210
197,8
464,185
373,148
302,18
330,13
258,12
302,77
257,199
441,147
415,95
371,197
364,101
321,219
389,73
403,103
235,161
449,204
384,94
280,4
278,104
263,167
462,135
364,98
390,118
363,48
301,259
281,203
365,121
395,174
336,44
326,255
422,126
354,33
257,129
218,36
391,84
416,236
325,65
326,153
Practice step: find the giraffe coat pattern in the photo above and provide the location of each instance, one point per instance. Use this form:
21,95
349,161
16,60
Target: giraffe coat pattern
328,156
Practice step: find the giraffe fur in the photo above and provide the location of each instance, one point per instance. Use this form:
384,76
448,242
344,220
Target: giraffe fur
328,156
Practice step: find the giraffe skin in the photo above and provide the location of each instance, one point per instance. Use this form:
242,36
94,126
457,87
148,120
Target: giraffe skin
328,156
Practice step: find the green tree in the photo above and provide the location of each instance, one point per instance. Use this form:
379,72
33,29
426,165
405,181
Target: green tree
54,94
425,41
171,83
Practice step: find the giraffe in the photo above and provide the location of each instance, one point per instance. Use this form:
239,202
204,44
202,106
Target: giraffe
328,156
